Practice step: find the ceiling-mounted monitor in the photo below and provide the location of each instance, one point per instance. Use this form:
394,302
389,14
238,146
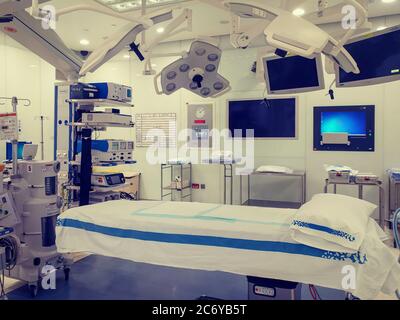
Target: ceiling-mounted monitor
293,74
378,58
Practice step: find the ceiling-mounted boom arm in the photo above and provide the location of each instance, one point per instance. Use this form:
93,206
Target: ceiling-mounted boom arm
118,42
28,31
17,23
308,39
12,6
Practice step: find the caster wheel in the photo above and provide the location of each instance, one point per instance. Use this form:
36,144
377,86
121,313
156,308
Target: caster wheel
33,290
66,273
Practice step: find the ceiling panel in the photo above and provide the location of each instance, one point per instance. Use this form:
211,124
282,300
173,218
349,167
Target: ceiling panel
207,20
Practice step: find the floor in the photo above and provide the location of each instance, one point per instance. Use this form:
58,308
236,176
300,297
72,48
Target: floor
102,278
98,278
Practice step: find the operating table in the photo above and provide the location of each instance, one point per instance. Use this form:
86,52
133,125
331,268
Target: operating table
249,241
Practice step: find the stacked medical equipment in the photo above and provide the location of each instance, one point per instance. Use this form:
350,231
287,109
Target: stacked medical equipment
112,91
77,117
29,207
106,151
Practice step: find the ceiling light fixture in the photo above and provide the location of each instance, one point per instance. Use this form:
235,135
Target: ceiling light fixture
84,42
130,5
160,30
299,12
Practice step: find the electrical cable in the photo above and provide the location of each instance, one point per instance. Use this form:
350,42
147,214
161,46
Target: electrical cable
2,281
11,247
126,196
396,222
314,292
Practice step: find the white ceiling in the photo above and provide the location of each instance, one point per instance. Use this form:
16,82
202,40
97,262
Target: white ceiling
207,20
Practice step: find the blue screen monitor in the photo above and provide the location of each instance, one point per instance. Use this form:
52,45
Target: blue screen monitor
354,123
294,74
274,118
358,122
377,56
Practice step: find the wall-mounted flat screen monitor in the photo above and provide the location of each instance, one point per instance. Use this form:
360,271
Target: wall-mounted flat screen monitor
272,118
354,124
293,74
377,56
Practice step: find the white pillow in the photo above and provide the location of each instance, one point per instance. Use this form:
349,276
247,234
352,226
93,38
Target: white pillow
332,222
274,169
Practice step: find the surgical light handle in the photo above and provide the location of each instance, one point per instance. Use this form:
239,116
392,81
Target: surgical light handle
156,87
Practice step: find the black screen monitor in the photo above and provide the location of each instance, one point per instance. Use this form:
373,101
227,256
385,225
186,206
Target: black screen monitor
273,118
377,56
294,74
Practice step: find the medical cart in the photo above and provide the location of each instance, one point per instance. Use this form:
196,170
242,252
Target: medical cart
394,195
375,183
183,187
275,204
71,127
228,167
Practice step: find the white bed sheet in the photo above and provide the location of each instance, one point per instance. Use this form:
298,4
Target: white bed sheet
242,240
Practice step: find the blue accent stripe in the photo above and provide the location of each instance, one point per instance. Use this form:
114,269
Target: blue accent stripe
213,241
341,234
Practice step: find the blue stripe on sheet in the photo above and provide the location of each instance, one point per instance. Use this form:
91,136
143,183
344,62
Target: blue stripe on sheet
207,218
213,241
341,234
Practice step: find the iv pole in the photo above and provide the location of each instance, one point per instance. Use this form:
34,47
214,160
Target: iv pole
42,118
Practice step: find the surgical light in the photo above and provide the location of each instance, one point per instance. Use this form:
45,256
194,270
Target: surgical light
196,72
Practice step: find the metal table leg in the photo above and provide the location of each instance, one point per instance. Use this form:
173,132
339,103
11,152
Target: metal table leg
248,189
172,178
162,183
326,186
231,168
224,184
241,200
382,214
360,191
228,174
